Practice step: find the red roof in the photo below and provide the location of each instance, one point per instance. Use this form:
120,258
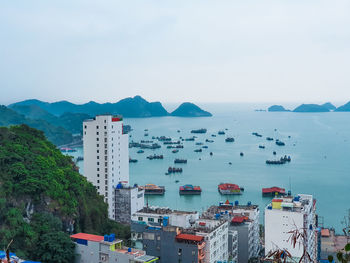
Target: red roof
325,232
274,189
88,237
189,237
277,200
228,186
116,119
239,219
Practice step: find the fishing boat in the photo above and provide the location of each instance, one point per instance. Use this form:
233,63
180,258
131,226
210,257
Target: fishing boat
140,151
198,150
241,154
269,139
189,189
229,139
180,161
230,189
221,132
152,189
279,143
261,147
132,160
175,151
151,157
199,131
273,191
174,170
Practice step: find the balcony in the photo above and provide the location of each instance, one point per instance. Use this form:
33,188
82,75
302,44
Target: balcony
201,246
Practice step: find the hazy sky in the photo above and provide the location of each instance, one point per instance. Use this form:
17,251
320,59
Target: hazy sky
171,51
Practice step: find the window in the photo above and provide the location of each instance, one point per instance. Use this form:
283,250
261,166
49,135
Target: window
105,158
97,145
96,133
106,182
84,133
150,219
106,170
98,163
179,252
105,121
97,139
105,127
106,176
98,175
105,146
98,169
160,220
85,127
140,218
98,181
105,151
106,188
105,139
98,157
97,127
193,252
98,151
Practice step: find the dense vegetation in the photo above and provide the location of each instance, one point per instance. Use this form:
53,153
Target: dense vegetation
43,197
56,134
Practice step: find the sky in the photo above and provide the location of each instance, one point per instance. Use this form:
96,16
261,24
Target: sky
173,51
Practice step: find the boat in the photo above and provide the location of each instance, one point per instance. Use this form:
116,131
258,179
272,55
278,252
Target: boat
80,158
132,160
280,143
174,170
199,131
213,135
261,146
207,140
198,150
189,189
273,191
274,153
269,139
146,134
176,181
229,139
178,131
282,160
241,154
211,153
189,139
256,134
140,151
152,189
180,161
199,143
151,157
230,189
221,132
67,149
175,151
205,147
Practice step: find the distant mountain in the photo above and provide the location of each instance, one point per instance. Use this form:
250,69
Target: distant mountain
130,107
72,122
56,134
311,108
329,106
188,109
345,107
277,108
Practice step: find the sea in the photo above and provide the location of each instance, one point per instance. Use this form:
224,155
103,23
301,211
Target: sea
318,144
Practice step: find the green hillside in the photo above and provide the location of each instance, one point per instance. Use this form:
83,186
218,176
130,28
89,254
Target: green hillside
42,196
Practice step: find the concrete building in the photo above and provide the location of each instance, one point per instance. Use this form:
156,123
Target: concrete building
106,165
243,234
128,200
180,236
289,213
106,249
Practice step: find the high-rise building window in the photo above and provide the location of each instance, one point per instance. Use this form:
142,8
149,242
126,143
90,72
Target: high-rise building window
98,175
97,145
98,163
85,126
96,133
106,170
106,164
106,187
97,127
98,157
105,139
106,182
105,151
97,139
98,169
105,146
105,158
98,181
98,151
105,127
106,176
84,133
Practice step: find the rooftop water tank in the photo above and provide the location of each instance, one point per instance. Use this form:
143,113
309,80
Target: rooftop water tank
236,202
119,186
129,249
105,237
249,203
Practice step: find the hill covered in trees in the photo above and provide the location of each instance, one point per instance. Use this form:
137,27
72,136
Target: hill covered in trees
43,198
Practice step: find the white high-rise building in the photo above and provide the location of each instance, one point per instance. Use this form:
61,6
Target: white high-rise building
287,214
106,156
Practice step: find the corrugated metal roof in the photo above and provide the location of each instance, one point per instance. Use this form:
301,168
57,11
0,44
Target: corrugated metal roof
88,237
189,237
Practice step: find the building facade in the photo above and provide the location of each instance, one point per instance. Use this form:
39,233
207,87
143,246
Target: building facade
180,236
243,239
106,249
288,214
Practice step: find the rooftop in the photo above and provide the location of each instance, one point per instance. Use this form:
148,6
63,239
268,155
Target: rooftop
164,211
299,203
88,237
189,237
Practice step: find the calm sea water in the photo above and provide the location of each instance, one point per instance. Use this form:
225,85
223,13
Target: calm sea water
319,146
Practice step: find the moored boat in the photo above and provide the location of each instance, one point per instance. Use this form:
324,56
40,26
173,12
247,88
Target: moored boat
229,139
230,189
189,189
273,191
152,189
199,131
180,161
